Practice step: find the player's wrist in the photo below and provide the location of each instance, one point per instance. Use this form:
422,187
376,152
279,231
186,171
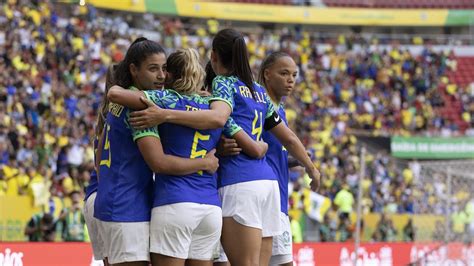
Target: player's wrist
206,164
167,115
310,168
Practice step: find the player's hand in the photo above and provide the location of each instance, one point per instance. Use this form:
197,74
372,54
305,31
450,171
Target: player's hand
228,147
212,161
315,176
151,116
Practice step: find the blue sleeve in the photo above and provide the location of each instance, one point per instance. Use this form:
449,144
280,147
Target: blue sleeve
270,106
163,98
137,134
231,128
222,90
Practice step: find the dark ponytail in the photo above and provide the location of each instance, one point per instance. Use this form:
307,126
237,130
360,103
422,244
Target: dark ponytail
104,106
240,62
210,75
231,49
138,51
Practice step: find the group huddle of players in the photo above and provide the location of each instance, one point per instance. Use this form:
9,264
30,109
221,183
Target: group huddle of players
160,192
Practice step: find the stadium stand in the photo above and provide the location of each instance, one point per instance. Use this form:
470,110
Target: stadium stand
52,78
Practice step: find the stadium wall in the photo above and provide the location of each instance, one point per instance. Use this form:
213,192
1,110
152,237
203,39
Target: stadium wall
17,211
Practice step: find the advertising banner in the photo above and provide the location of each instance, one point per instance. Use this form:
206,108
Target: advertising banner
382,254
15,212
304,254
311,15
432,148
46,254
293,14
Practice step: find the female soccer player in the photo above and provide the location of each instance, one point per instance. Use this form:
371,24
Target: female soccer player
125,192
91,190
175,237
248,187
278,74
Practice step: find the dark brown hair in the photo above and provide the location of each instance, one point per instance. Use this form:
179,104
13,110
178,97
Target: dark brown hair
231,49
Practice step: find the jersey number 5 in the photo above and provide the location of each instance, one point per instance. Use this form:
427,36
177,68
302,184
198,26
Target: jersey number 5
107,161
194,152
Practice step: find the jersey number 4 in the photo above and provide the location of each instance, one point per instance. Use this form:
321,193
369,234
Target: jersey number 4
257,125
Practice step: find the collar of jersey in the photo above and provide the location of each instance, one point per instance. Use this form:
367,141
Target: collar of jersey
277,106
183,96
133,88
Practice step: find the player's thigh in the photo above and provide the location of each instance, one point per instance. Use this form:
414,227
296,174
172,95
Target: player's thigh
221,263
266,250
198,262
162,260
241,243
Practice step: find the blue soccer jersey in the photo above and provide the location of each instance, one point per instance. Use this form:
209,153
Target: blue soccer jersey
277,158
249,112
125,192
92,187
185,142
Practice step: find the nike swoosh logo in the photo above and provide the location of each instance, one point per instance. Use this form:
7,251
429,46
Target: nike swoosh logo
277,118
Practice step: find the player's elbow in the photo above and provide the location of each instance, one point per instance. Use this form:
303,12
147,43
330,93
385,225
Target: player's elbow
162,166
290,144
261,153
256,151
113,94
289,141
159,167
218,121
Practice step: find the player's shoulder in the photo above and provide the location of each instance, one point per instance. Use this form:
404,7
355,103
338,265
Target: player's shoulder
199,99
227,80
258,87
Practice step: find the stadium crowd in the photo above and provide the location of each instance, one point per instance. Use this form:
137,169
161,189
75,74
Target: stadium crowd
52,76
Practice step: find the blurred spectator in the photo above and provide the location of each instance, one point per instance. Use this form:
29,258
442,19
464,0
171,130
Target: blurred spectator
41,227
73,219
439,231
384,232
345,202
459,221
296,231
345,230
327,230
409,231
